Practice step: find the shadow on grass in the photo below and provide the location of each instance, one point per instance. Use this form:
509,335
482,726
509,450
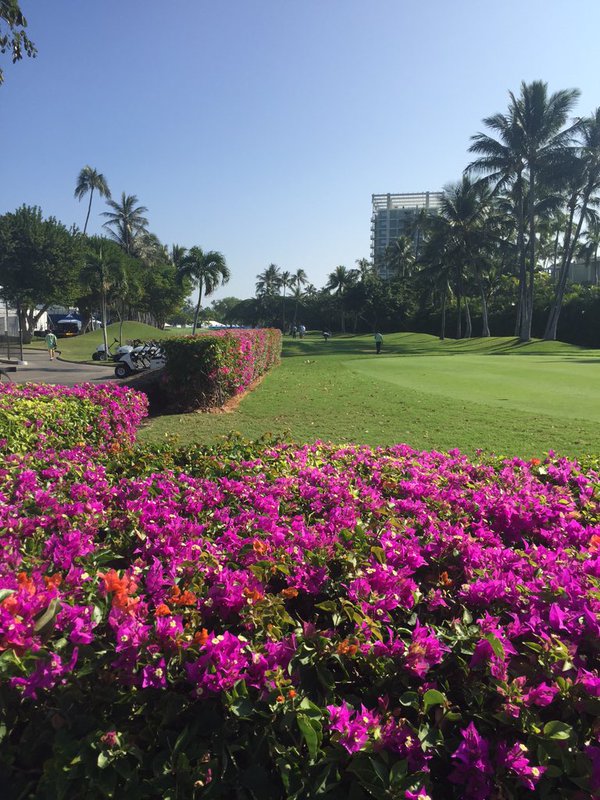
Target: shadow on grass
411,344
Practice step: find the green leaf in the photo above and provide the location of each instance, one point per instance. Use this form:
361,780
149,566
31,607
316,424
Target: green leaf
48,615
496,644
4,593
409,699
309,734
433,698
327,605
557,730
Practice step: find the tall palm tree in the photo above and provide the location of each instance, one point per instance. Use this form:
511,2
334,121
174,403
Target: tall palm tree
285,282
268,282
400,255
126,221
89,180
339,281
466,214
177,255
584,186
299,280
532,138
207,270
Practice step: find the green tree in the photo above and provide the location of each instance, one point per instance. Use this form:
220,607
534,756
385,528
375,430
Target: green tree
40,261
207,271
164,291
268,282
531,140
90,180
338,282
103,271
12,33
126,222
299,281
584,185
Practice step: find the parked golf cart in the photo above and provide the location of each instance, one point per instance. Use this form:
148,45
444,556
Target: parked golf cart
147,356
99,353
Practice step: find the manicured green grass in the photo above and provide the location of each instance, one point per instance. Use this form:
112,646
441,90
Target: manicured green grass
495,395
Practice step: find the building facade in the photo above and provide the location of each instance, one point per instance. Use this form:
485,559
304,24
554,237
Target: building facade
396,215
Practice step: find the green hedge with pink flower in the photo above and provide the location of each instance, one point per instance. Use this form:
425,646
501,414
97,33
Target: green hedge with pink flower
207,369
37,417
281,621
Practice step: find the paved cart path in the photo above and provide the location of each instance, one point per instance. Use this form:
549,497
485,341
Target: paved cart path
40,369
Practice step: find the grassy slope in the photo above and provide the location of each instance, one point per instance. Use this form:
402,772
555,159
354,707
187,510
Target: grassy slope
494,395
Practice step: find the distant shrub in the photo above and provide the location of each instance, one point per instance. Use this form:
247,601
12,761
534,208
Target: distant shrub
34,417
205,370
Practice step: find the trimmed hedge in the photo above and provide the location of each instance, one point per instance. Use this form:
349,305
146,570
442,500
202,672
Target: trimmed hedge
297,622
205,370
39,416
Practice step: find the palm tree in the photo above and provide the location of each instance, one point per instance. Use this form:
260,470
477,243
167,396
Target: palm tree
339,281
207,271
126,221
268,282
531,140
400,255
466,214
299,280
584,185
89,180
285,282
177,255
103,270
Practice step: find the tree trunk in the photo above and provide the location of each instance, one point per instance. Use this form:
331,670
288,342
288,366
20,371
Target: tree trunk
104,321
197,312
443,325
526,318
88,212
468,323
485,329
568,252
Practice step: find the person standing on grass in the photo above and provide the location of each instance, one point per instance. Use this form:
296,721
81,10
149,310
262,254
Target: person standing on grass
50,340
378,342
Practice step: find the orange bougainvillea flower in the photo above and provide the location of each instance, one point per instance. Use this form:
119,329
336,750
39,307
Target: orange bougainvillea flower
162,610
52,581
26,583
289,592
347,648
185,598
595,543
535,462
260,547
252,595
201,637
292,693
122,589
445,580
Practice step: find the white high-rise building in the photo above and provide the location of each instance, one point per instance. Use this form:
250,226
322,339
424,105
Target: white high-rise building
394,215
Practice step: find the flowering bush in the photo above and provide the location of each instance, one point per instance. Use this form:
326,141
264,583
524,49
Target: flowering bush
34,416
207,369
290,622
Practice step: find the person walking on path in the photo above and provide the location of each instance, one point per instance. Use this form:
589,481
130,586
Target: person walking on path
50,340
378,342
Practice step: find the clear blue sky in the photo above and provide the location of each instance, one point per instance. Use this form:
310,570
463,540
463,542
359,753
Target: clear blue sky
262,127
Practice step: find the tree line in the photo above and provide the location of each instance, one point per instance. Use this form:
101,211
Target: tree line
498,254
126,274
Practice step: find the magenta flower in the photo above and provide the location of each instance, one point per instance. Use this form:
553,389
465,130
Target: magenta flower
424,651
473,769
514,759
